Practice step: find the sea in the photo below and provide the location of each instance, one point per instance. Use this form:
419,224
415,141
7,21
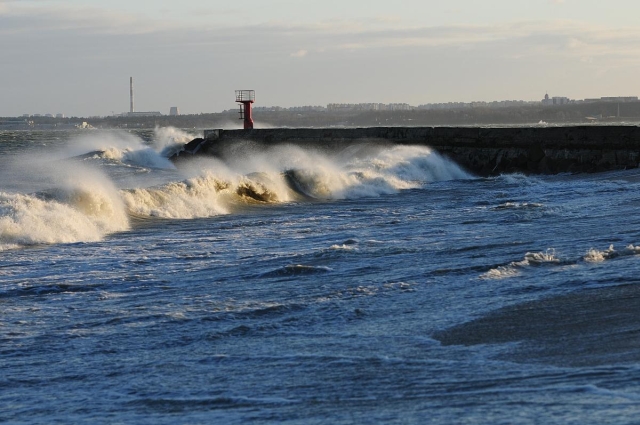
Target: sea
379,284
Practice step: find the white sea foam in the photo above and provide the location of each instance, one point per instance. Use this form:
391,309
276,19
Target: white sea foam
359,171
55,201
531,259
7,247
549,257
632,249
68,202
596,256
192,198
73,212
355,174
167,140
343,247
539,258
500,273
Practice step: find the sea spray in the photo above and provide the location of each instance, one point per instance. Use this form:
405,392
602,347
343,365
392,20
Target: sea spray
74,211
353,174
598,256
141,157
202,196
45,199
55,200
531,259
100,141
169,140
192,198
120,146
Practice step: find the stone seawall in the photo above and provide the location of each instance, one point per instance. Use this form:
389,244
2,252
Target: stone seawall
484,151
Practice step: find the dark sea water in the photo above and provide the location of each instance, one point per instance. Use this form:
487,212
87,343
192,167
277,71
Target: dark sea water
380,285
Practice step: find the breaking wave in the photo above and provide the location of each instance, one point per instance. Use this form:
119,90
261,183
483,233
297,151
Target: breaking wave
375,172
86,198
548,258
531,259
596,256
197,197
72,213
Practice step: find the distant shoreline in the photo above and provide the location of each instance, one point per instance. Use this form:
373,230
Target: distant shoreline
606,113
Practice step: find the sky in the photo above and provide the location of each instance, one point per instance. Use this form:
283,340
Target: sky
76,56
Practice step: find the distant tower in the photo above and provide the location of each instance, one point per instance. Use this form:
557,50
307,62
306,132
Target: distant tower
246,98
131,110
174,111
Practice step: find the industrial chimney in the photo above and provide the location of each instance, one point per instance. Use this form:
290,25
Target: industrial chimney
131,92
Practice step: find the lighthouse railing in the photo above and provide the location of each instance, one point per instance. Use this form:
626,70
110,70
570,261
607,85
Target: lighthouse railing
245,95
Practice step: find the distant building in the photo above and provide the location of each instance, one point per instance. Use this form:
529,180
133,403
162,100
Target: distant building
555,101
620,99
267,109
445,106
336,107
59,115
144,114
399,107
174,111
306,108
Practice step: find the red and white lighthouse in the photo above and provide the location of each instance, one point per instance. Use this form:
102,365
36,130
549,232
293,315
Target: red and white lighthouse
245,98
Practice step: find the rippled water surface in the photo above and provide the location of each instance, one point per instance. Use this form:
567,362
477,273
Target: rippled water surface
375,285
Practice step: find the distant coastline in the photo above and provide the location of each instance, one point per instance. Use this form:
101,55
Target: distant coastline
533,115
12,124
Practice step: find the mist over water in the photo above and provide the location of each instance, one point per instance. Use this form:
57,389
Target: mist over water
378,284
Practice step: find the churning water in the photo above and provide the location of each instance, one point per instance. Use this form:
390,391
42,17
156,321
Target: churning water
373,285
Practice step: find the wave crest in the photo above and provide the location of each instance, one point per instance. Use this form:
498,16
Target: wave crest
83,213
531,259
194,198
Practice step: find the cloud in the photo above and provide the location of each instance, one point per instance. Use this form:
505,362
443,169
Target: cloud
543,39
534,38
27,18
216,12
72,48
388,19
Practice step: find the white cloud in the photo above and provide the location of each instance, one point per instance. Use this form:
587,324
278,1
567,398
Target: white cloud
534,37
27,18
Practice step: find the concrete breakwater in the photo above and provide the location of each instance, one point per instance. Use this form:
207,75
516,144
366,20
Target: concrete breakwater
484,151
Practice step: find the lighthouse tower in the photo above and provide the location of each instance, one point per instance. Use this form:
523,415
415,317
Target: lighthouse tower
245,98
